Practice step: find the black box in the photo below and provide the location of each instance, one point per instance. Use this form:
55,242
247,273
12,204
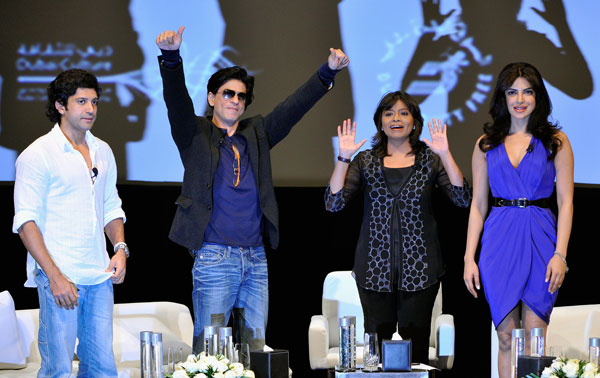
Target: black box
274,364
527,365
396,355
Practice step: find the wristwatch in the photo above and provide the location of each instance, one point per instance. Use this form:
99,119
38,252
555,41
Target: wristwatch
123,246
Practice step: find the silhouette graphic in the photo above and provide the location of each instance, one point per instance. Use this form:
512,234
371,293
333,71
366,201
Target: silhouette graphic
282,43
97,37
462,52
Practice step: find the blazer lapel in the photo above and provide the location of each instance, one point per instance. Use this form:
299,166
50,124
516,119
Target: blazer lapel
247,132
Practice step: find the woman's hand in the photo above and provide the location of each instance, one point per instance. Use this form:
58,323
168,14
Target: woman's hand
347,139
471,277
555,273
439,138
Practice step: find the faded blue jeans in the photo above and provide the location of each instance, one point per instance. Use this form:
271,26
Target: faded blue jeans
231,279
91,322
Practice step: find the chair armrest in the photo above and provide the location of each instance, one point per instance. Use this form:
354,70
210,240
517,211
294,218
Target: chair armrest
318,342
444,341
592,325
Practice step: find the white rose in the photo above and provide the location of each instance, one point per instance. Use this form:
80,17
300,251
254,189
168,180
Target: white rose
588,374
191,358
590,368
557,364
200,375
547,372
221,366
571,368
250,374
218,375
230,374
180,374
211,360
237,367
202,365
191,367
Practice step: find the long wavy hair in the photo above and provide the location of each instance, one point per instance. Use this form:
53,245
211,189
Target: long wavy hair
538,124
380,140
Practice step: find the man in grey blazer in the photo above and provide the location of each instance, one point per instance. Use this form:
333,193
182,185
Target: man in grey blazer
227,208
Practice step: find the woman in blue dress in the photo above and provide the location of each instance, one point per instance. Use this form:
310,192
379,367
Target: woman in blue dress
524,246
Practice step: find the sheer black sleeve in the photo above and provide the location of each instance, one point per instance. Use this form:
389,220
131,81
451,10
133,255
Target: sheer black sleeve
352,185
459,195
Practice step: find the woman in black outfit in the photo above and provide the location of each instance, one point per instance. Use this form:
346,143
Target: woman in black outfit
398,261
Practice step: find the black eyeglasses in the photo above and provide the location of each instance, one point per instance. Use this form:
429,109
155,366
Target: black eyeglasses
229,94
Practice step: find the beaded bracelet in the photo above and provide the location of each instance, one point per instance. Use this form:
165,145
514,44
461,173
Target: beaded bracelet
563,260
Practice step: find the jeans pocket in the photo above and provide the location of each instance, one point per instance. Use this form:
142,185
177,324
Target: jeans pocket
209,256
260,255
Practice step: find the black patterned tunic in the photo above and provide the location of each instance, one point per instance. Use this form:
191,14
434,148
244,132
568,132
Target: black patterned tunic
376,264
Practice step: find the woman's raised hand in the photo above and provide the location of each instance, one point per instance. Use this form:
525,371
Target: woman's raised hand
439,138
347,139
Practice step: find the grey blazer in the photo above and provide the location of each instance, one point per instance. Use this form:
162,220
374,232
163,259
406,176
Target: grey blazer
198,139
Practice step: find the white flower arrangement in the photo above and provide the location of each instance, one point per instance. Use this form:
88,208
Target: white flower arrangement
570,368
203,366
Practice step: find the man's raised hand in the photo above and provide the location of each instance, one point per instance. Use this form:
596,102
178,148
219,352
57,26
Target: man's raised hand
170,40
337,59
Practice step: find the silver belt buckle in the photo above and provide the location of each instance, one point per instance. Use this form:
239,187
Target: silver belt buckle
522,203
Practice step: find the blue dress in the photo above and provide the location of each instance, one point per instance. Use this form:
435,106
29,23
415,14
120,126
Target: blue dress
518,243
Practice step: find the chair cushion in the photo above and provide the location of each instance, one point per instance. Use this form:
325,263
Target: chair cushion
340,298
126,338
11,349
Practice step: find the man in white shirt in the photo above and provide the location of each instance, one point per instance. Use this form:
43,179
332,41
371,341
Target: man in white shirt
65,200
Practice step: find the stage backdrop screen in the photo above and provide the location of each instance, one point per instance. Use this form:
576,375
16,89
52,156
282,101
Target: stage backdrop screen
446,53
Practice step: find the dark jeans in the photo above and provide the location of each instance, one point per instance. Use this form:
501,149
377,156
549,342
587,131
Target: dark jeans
410,311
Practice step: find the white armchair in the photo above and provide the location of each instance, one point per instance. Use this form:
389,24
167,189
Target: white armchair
340,298
568,332
173,320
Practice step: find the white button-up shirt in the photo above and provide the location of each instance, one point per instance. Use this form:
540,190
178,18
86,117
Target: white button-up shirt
54,189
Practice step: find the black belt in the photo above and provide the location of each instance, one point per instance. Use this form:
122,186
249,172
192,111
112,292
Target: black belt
521,202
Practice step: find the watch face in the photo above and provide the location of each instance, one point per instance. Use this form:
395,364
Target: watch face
122,246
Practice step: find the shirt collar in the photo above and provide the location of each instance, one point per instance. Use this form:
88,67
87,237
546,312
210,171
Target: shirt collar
62,140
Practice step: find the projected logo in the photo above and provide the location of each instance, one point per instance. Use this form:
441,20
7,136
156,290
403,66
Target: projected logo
37,59
457,52
35,55
123,101
460,54
447,54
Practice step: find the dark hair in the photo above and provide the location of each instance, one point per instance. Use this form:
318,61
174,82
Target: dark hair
380,140
232,73
538,124
64,86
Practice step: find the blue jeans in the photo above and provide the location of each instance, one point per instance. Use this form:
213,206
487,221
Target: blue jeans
231,279
91,322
